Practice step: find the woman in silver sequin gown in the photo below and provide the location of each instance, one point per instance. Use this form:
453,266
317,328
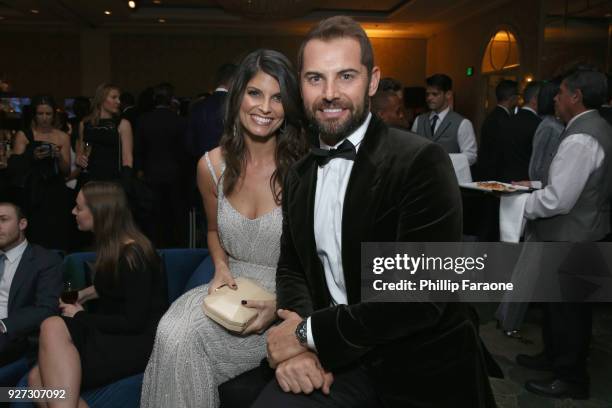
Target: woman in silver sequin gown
193,355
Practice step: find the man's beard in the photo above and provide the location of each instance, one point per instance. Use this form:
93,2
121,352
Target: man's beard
332,132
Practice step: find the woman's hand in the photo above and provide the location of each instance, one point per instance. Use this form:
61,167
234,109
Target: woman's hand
222,277
266,315
81,161
70,310
87,294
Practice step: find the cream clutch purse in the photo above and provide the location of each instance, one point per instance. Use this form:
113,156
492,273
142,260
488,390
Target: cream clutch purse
224,307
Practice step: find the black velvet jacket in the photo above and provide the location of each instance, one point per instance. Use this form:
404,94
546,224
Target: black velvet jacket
402,188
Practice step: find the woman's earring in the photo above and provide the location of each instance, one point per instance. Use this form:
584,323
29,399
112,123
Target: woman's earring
235,131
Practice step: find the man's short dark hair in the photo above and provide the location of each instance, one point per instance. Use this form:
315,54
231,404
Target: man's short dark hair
20,213
505,90
163,94
531,90
592,84
389,84
339,27
381,99
441,81
546,97
225,73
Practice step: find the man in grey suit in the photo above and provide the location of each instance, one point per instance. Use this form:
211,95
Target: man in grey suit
30,284
443,125
572,207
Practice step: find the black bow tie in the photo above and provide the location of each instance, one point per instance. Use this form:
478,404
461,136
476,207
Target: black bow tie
346,150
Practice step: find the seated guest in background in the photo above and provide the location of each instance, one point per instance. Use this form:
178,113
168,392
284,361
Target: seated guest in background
548,134
606,109
205,125
572,207
83,350
490,153
241,185
40,163
162,157
105,144
516,141
443,125
388,106
334,349
30,284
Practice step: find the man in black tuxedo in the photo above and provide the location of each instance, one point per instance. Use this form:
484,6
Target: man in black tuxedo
517,138
366,183
489,154
163,163
205,125
30,284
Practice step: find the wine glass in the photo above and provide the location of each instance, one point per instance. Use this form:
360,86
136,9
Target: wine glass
86,151
69,295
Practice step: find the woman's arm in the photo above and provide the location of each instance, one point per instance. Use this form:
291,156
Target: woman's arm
64,154
19,143
127,143
81,159
208,190
86,294
135,275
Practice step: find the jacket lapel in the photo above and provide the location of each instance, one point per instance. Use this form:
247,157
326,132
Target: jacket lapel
21,275
358,206
302,223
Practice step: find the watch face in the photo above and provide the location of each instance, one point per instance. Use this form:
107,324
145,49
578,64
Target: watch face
300,332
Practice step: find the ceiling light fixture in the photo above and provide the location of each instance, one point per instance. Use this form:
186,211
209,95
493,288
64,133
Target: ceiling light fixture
132,4
161,20
108,12
157,2
34,11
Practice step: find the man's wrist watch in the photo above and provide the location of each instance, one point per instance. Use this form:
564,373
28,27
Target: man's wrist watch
301,332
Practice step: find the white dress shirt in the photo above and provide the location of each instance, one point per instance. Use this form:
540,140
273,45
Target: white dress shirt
332,180
579,155
466,138
10,267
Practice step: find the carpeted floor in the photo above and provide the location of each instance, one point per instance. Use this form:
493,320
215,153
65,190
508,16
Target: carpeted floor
510,392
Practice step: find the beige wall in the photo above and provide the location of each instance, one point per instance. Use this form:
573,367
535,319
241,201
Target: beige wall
189,61
74,63
42,62
463,45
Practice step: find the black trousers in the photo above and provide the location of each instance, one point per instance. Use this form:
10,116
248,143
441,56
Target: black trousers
258,388
566,332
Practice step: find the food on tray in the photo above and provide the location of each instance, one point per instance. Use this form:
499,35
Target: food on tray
495,186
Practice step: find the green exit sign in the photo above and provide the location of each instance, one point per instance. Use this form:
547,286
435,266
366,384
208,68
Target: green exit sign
469,71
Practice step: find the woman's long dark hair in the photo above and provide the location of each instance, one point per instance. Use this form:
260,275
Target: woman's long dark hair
40,100
113,225
290,140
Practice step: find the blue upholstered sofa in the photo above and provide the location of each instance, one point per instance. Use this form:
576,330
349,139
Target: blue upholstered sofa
185,269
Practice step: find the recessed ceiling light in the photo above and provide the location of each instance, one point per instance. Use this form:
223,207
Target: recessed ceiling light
161,20
34,11
132,4
108,12
156,1
608,15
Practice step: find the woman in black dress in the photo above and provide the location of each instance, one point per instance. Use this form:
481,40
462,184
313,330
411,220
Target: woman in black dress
83,350
40,162
105,145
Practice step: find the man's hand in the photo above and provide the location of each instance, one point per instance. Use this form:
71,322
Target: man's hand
282,342
303,374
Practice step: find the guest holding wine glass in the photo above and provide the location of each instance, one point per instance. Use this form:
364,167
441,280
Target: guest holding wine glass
81,350
105,143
